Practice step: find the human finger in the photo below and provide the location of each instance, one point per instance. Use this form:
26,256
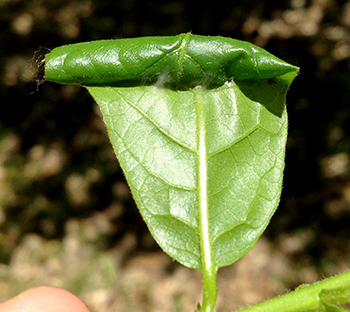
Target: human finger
44,299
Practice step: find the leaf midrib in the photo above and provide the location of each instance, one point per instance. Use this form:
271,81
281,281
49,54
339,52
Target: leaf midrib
208,266
202,183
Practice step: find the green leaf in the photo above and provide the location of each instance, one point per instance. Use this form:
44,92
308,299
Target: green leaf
334,309
204,166
320,296
335,296
181,61
199,126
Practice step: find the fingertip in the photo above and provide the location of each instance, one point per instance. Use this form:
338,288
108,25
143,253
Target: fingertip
44,299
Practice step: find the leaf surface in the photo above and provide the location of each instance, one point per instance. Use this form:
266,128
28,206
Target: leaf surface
204,166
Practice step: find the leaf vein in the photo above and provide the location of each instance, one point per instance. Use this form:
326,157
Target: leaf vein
146,168
154,123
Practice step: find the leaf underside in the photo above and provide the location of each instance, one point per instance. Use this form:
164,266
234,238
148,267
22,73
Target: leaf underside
166,155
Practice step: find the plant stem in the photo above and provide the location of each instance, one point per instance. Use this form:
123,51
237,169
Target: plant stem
305,298
209,270
209,291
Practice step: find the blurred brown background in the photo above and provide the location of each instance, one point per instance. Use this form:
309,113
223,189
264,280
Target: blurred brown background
66,215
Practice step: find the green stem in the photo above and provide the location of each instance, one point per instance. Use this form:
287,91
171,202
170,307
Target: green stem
307,298
209,270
